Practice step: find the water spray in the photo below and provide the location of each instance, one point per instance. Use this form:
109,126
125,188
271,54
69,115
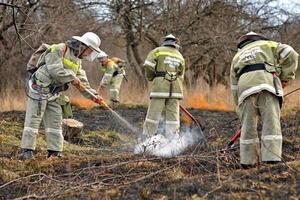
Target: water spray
102,102
133,129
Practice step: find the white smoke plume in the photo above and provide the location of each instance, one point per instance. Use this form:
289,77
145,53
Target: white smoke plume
159,145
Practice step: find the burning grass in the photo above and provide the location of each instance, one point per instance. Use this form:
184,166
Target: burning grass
198,101
83,103
200,97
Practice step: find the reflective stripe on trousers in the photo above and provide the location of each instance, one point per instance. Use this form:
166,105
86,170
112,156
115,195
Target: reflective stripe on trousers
156,106
51,113
265,105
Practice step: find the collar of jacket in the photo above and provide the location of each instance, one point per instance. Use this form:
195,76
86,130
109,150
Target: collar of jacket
73,46
247,41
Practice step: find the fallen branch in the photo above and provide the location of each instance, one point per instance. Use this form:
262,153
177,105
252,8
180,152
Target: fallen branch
31,196
22,178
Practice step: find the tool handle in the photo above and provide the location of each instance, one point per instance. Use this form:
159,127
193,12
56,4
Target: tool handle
191,116
125,77
275,83
291,92
81,87
234,138
230,144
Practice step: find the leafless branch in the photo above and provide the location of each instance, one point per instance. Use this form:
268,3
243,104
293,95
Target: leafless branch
16,29
9,5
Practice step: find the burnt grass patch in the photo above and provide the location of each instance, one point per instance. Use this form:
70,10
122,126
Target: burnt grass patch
100,165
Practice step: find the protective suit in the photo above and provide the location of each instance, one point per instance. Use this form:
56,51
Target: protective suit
57,69
257,72
164,68
114,72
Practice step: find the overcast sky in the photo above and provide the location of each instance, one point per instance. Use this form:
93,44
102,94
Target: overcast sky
290,5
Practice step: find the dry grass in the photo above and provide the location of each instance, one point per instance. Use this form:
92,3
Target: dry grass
13,102
202,97
293,100
98,168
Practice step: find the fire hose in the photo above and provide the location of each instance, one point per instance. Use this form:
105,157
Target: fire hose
238,133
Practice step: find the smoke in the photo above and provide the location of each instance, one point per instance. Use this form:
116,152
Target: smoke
160,145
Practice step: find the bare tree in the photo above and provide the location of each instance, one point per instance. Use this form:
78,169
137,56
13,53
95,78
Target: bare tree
208,30
24,25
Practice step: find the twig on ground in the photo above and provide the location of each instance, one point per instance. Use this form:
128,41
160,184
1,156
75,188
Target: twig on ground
31,196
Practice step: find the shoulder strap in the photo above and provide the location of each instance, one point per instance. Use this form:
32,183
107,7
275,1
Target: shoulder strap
53,46
276,56
155,68
65,50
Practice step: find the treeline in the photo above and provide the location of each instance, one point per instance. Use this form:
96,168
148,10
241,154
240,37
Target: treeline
208,31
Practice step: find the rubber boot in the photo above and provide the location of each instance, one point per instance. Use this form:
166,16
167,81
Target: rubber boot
244,166
27,154
54,154
272,162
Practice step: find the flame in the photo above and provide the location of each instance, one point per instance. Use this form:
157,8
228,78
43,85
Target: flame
195,101
83,103
198,101
186,119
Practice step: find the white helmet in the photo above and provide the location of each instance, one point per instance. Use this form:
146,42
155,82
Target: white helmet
90,39
170,37
251,34
170,40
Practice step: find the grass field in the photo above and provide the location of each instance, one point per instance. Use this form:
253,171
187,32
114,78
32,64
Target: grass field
101,165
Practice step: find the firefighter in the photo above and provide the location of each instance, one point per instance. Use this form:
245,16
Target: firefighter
114,73
164,68
60,66
259,72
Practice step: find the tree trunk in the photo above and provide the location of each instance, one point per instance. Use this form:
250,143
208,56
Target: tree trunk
72,130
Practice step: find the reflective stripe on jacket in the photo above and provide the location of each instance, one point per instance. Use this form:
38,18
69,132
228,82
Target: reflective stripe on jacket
278,58
169,61
110,69
61,66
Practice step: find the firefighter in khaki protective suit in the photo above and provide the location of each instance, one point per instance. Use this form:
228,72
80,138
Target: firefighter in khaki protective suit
114,72
164,67
60,66
259,71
